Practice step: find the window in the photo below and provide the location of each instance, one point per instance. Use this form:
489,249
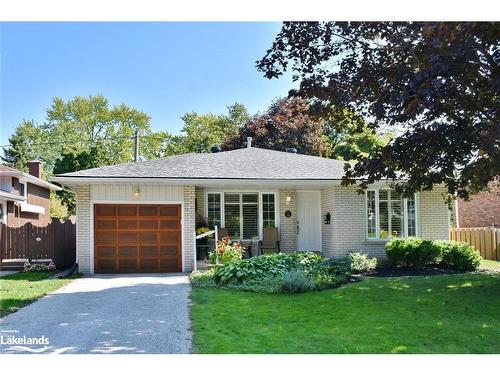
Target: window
241,215
390,215
214,208
268,211
22,189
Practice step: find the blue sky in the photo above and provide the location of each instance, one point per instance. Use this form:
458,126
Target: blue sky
164,69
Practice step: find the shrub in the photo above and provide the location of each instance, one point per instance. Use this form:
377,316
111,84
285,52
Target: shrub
411,252
270,265
39,267
203,279
226,252
458,255
361,263
296,282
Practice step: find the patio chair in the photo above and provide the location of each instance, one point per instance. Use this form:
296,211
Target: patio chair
221,233
270,242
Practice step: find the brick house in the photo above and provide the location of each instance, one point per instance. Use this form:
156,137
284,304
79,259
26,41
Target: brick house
140,217
24,197
482,210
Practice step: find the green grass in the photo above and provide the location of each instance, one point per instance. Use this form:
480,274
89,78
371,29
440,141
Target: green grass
436,314
490,265
19,289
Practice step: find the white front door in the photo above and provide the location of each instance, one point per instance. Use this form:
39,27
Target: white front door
308,221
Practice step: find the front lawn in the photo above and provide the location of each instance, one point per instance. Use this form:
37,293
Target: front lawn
433,314
19,289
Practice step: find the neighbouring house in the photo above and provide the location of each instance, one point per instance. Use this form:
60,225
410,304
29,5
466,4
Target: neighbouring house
24,197
140,217
482,210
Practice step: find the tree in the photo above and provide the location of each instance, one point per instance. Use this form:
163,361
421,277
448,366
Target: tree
27,143
94,157
202,131
286,123
83,122
349,136
434,84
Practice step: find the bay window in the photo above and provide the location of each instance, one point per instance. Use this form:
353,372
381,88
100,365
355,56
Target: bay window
242,214
390,215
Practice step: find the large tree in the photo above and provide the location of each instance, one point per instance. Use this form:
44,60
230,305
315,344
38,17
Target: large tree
286,123
201,131
435,85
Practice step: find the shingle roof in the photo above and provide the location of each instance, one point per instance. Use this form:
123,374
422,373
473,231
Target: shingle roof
246,163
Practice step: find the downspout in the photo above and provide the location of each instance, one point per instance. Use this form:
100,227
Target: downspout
457,216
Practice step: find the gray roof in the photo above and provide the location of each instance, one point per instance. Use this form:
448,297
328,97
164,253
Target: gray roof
247,163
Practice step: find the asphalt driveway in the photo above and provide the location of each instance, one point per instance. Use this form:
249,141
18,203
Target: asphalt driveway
140,313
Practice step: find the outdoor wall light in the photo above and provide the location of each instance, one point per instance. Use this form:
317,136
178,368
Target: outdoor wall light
288,199
137,192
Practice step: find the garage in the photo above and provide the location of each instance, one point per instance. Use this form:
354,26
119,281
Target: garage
137,238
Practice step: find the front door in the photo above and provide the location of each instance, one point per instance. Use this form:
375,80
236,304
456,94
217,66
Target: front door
308,221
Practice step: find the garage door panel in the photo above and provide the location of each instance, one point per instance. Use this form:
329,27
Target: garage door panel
103,210
127,211
105,251
109,224
137,238
148,211
169,211
169,264
148,224
170,238
127,224
148,237
166,250
127,251
105,237
148,251
105,265
127,265
170,224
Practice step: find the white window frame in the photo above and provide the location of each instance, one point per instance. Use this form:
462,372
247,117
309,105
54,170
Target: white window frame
377,216
25,190
260,219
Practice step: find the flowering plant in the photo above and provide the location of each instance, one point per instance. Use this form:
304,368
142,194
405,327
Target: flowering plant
226,252
202,230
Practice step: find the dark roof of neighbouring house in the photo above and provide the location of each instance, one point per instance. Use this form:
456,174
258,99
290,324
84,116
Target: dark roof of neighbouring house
247,163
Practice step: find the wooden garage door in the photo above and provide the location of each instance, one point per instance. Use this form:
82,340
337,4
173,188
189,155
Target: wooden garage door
137,238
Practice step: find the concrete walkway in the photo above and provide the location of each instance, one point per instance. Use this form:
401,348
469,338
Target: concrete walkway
140,313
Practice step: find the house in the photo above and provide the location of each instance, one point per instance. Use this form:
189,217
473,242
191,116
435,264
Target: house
140,217
24,197
482,210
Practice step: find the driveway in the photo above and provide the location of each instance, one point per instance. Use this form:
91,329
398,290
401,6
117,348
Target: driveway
140,313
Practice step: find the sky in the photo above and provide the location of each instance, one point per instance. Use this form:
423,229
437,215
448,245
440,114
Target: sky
164,69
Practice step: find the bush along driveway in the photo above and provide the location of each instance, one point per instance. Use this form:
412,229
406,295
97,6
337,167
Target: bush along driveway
426,314
19,289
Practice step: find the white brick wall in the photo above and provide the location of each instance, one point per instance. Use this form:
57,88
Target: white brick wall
83,209
288,226
200,200
434,215
189,227
347,230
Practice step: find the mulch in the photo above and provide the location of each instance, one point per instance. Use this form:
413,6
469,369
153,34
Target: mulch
400,271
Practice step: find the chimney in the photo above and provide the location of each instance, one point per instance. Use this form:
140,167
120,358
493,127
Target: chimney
249,142
35,168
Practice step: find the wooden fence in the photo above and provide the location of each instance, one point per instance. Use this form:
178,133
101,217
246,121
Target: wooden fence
56,241
485,240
